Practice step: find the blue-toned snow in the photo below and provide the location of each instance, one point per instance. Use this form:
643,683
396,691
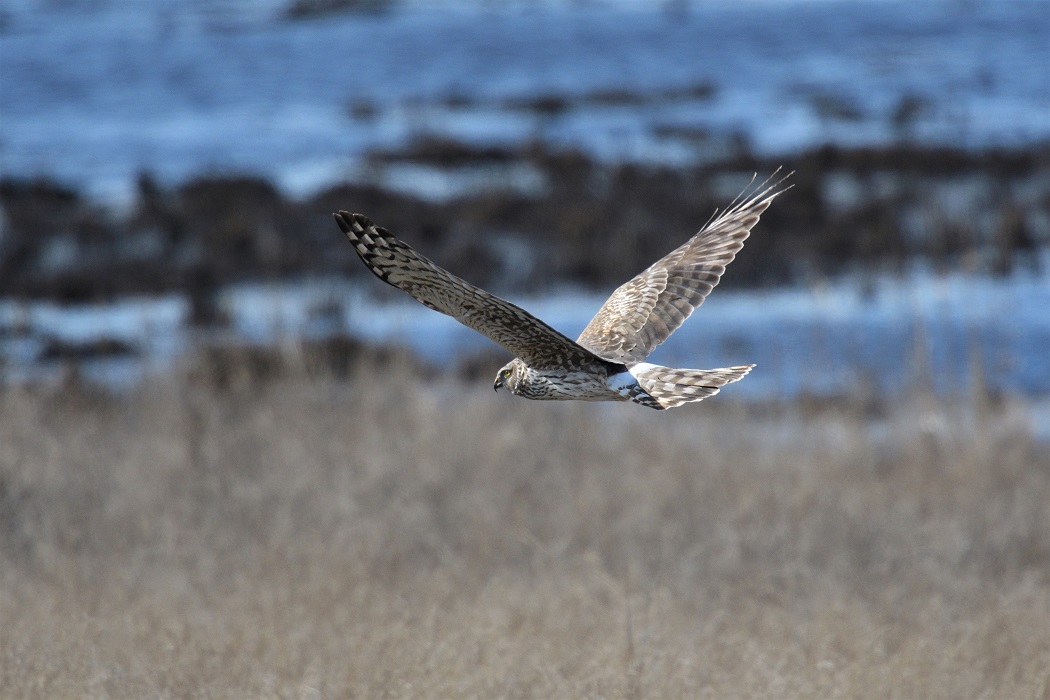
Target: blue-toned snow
94,92
939,330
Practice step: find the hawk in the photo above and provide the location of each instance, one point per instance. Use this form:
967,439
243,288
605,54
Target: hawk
607,361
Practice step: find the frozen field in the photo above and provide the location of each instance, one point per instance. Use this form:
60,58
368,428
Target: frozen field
93,93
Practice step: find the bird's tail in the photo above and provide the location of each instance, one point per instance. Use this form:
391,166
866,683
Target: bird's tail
673,387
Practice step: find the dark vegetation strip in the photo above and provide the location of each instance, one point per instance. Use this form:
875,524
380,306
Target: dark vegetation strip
593,224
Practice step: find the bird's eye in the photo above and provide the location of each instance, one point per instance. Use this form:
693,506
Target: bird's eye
505,373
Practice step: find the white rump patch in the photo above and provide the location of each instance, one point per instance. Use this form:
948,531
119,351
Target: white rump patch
623,382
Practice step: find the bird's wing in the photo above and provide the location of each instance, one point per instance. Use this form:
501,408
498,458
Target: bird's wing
517,330
645,311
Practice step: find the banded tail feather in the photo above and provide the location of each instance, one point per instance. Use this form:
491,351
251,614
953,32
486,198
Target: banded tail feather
672,387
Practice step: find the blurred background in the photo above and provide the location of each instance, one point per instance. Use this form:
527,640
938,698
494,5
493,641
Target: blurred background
222,438
171,168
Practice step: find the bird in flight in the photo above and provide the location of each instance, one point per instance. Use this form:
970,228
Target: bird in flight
607,361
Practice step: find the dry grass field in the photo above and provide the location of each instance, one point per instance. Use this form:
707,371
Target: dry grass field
386,536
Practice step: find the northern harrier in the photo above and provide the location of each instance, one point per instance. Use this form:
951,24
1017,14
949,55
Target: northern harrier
606,363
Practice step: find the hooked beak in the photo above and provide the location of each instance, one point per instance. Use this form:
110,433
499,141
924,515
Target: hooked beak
497,384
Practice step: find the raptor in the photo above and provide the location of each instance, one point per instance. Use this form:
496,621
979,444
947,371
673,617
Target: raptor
607,361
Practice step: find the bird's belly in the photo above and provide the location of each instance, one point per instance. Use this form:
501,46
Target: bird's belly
578,386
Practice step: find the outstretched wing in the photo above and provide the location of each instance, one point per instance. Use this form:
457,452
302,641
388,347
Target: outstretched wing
645,311
517,330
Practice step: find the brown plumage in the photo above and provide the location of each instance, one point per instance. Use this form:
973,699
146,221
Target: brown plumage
606,361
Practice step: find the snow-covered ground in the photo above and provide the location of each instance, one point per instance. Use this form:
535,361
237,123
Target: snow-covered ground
93,93
846,337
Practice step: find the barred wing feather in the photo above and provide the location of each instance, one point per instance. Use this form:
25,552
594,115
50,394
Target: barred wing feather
645,311
397,264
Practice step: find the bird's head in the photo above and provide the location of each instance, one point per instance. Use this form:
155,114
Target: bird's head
510,376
